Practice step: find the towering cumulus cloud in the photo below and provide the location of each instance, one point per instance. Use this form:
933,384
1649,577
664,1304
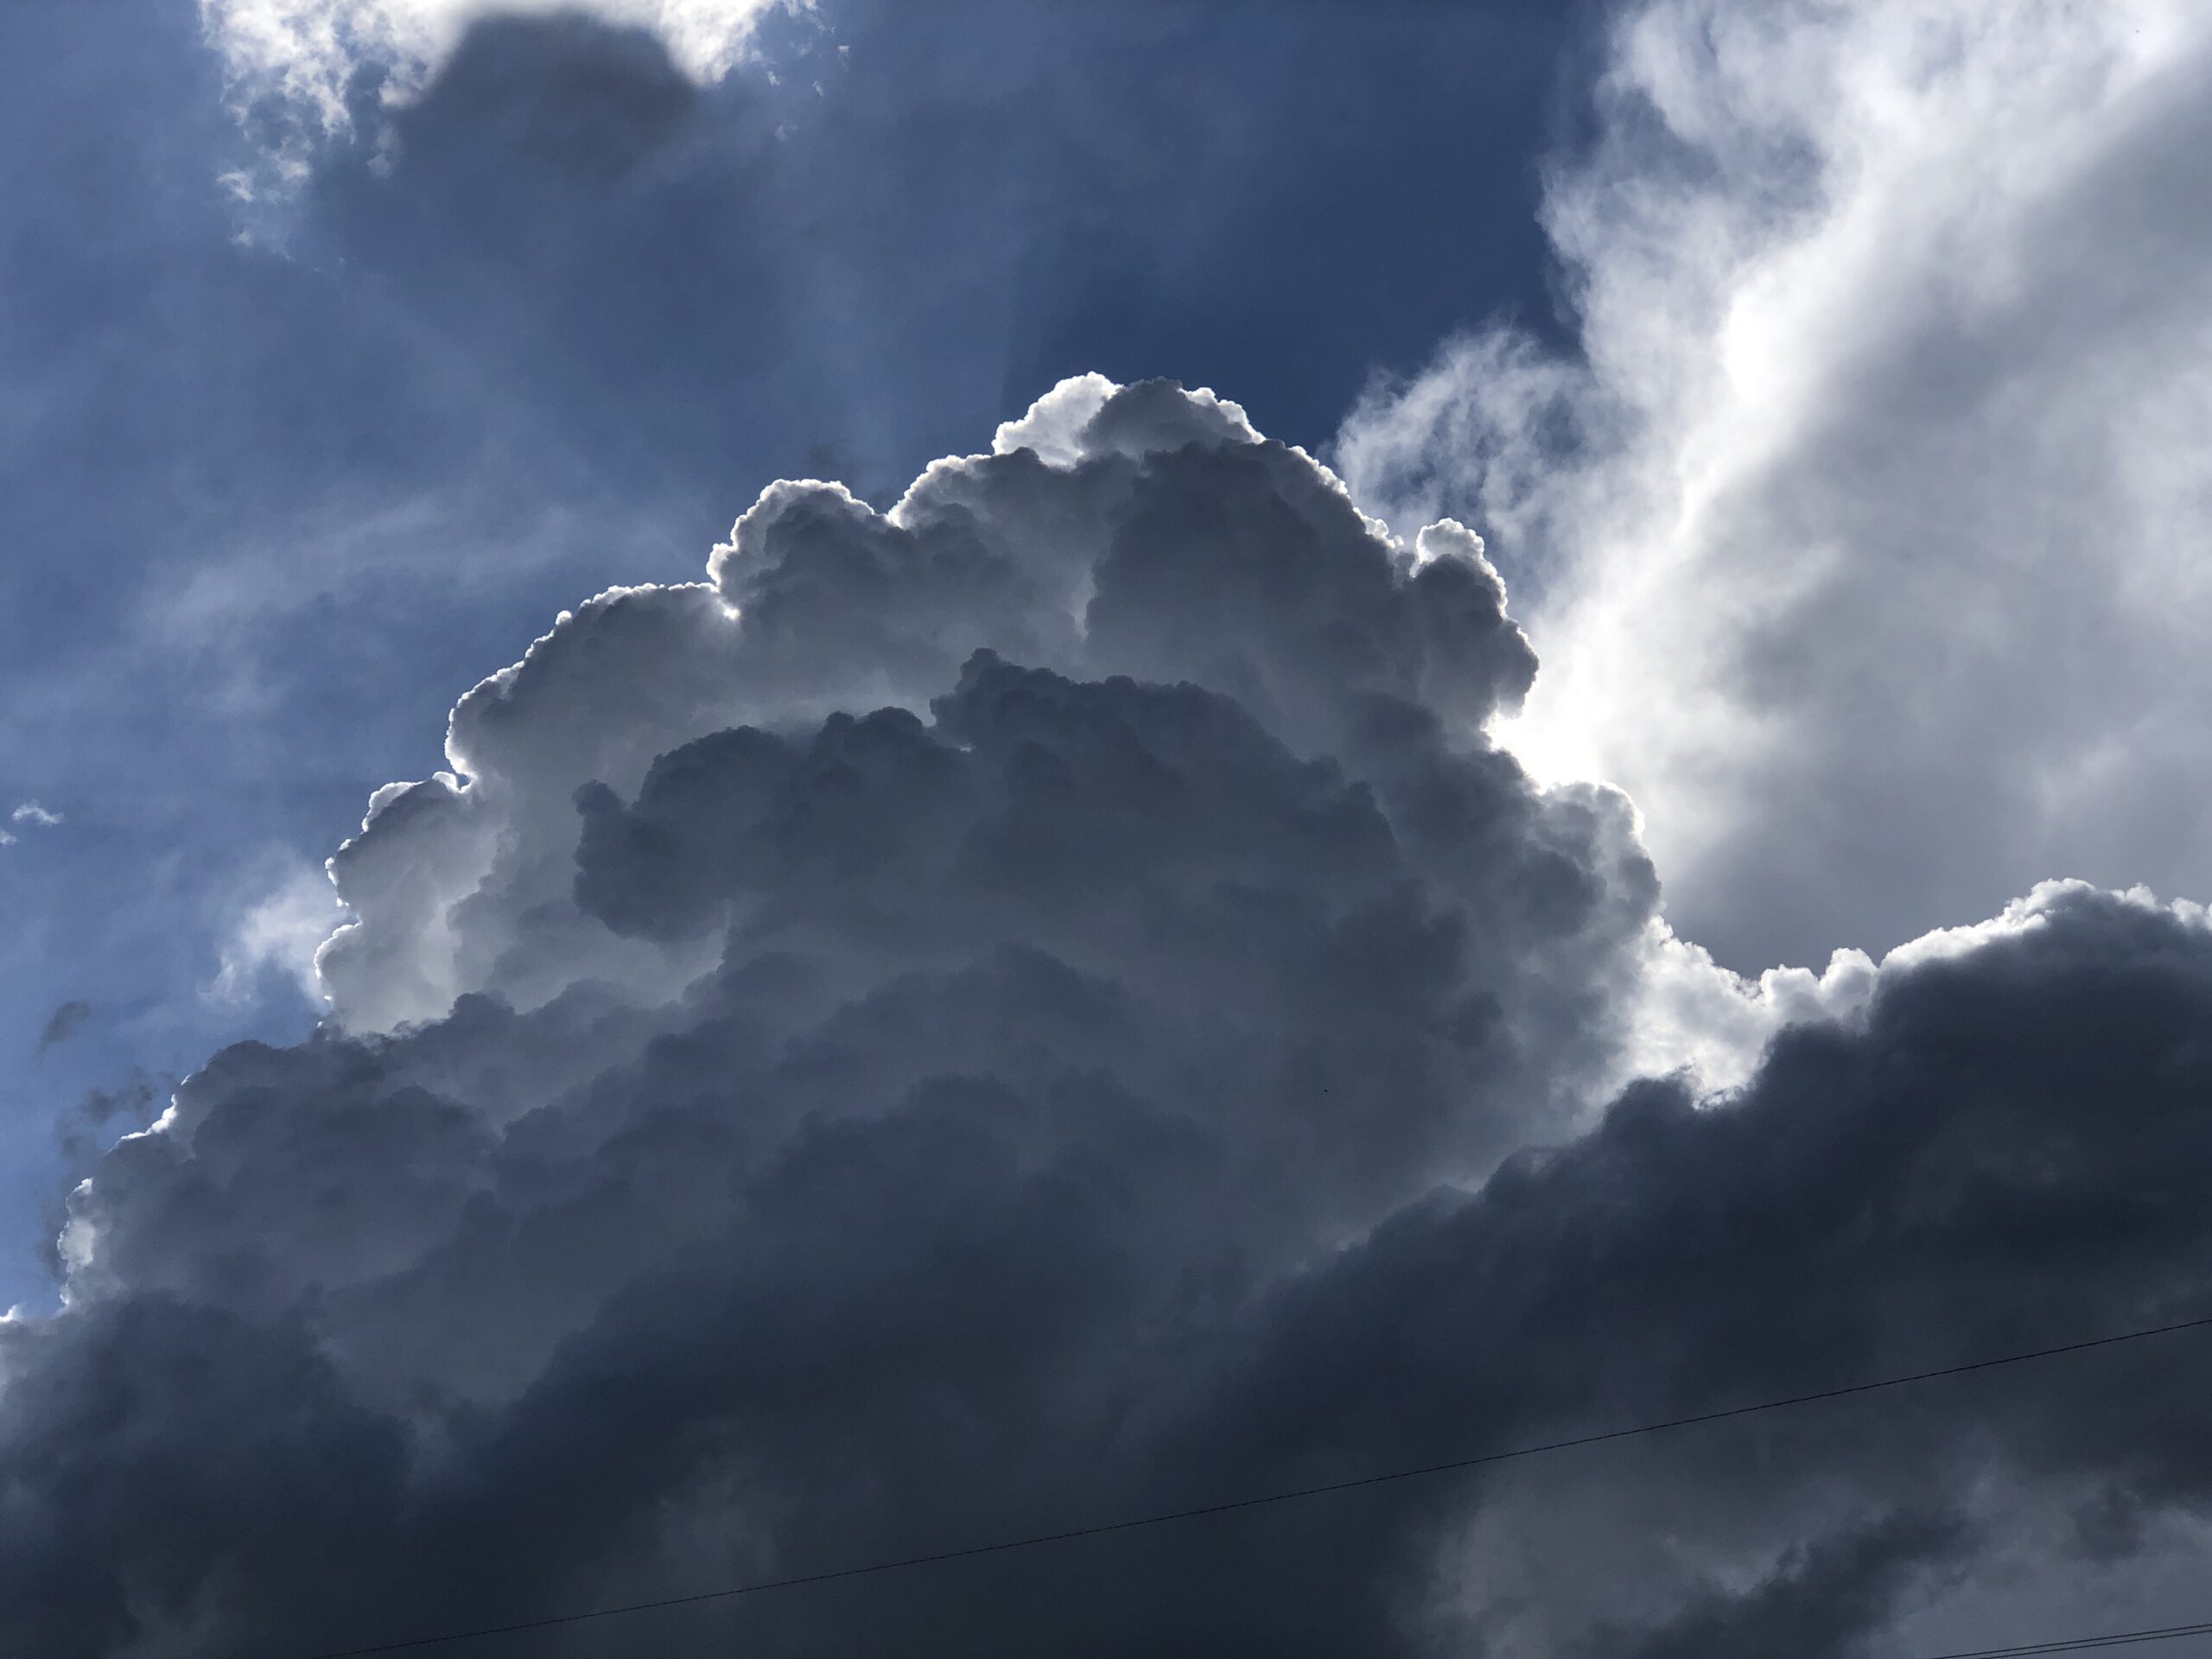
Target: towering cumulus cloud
1042,1005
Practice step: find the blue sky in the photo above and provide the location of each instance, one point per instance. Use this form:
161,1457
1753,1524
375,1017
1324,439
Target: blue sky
282,479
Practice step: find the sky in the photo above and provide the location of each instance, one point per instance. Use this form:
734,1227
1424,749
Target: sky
784,785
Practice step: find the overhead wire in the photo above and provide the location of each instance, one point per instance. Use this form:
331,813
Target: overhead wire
2082,1644
1034,1541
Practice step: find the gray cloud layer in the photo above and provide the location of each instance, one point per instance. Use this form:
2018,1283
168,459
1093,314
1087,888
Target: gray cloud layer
1043,1005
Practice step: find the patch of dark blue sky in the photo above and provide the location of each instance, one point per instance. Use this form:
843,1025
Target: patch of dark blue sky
269,501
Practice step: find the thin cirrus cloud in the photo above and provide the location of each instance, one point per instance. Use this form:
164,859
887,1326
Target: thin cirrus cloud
1883,455
1042,1004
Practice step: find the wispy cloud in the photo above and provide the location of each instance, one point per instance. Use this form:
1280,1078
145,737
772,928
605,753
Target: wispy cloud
279,932
62,1024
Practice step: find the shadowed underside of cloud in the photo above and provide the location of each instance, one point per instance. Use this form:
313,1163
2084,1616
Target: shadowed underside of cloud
1043,1005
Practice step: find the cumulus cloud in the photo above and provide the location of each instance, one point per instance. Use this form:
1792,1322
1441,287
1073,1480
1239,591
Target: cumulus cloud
1883,455
1044,1004
1172,544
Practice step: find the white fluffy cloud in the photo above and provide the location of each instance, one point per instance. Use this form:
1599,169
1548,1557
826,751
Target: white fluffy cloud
304,52
1864,545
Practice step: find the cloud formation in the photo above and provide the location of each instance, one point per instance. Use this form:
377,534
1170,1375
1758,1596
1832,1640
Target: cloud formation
30,816
537,329
1879,454
1044,1004
306,53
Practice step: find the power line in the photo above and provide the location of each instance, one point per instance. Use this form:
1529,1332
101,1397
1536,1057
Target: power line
762,1587
2083,1643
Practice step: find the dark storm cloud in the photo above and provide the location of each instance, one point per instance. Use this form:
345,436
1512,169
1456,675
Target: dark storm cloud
1042,1005
2008,1151
1046,1013
1817,1602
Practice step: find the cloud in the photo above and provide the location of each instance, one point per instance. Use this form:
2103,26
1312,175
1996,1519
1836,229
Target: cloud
62,1024
551,334
279,932
31,814
1932,1182
1881,453
1172,544
306,53
1043,1004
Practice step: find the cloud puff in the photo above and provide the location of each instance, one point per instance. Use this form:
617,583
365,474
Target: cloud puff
1879,455
1045,1004
62,1025
306,52
1163,540
31,814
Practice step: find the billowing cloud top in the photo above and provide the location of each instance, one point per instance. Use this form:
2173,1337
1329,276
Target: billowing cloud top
1145,533
1044,1005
